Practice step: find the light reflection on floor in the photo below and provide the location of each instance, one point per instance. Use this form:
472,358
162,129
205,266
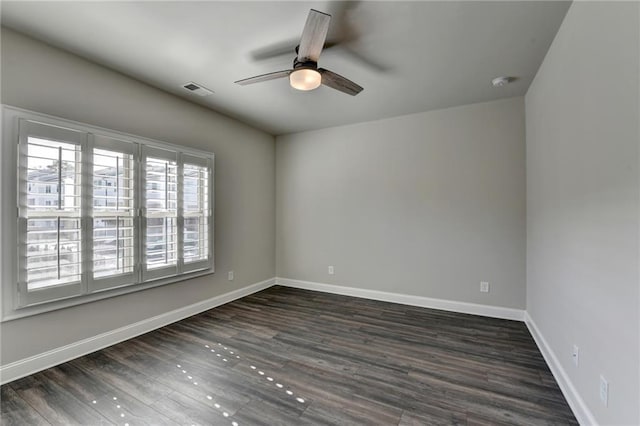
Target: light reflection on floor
114,401
224,353
208,397
220,353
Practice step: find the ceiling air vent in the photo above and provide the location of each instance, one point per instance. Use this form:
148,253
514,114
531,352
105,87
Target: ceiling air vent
197,89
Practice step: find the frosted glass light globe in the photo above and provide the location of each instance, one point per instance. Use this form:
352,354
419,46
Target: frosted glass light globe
305,79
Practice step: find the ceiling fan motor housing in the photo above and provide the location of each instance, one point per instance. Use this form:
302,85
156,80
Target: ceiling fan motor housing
307,64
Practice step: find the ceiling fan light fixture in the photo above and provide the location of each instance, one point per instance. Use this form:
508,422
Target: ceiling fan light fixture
305,74
305,79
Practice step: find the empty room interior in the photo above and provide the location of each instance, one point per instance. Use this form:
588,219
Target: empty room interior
337,213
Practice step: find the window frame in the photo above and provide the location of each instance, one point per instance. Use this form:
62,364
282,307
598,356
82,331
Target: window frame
169,270
16,302
57,134
200,162
104,142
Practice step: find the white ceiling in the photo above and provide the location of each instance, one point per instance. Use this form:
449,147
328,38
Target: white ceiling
409,56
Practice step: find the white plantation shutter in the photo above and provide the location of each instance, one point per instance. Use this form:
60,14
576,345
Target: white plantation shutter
114,242
176,213
50,212
100,213
159,213
196,212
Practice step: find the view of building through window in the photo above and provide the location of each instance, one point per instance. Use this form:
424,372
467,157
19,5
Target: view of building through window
53,240
162,211
196,206
113,212
103,211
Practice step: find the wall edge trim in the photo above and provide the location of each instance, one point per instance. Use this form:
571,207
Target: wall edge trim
575,401
405,299
53,357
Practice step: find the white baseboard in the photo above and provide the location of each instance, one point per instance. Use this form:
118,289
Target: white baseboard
31,365
579,408
577,404
404,299
27,366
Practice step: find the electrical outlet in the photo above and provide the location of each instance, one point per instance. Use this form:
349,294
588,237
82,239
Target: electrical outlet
484,287
230,275
575,354
604,391
330,270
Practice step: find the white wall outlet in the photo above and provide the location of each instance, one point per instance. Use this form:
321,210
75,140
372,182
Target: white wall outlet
230,275
604,391
575,354
484,286
330,270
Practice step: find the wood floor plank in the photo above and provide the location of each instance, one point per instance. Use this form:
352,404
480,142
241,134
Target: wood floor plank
491,403
435,416
16,411
112,403
286,356
339,410
187,411
54,403
133,382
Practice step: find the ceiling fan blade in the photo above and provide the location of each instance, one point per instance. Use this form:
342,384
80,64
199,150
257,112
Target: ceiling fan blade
264,77
283,48
338,82
313,36
287,47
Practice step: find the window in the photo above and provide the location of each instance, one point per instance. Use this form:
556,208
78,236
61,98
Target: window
113,213
49,240
102,211
160,212
176,212
195,202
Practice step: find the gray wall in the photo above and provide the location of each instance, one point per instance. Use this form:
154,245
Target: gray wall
427,204
44,79
582,203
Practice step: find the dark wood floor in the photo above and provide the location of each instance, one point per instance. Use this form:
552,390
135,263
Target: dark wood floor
287,356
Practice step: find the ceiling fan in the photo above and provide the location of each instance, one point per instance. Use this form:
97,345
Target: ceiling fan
305,74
